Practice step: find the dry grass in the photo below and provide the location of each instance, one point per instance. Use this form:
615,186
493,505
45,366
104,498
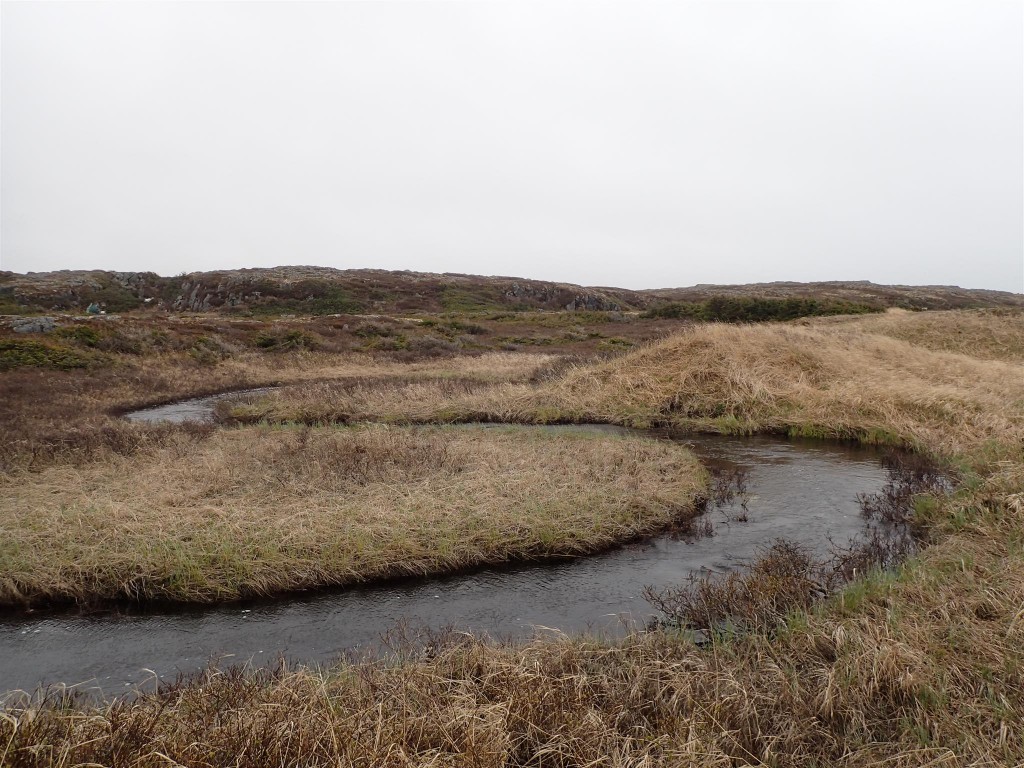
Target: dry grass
820,379
920,666
392,399
259,511
51,416
988,334
923,668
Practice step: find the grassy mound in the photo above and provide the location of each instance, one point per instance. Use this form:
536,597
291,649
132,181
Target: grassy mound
258,511
864,378
822,380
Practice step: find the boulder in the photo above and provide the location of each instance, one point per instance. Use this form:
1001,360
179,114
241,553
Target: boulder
34,325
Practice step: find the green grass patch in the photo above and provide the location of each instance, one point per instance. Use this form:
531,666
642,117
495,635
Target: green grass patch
461,300
280,341
15,353
727,309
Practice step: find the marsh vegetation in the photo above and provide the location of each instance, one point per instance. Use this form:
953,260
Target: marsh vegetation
920,662
258,511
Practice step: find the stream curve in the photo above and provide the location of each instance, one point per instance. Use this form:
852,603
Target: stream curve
801,490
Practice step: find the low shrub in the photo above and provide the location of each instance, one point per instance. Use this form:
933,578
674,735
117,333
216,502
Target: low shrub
389,343
306,297
728,309
15,353
277,341
432,346
371,330
80,334
454,327
207,350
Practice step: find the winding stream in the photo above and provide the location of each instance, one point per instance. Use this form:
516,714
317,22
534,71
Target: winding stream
801,490
193,409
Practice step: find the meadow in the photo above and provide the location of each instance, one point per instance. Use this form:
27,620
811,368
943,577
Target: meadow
259,511
921,663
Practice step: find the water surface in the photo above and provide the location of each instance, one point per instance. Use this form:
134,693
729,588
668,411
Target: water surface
193,409
801,490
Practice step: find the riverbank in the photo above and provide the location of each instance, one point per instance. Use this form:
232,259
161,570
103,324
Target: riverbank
805,491
261,511
76,416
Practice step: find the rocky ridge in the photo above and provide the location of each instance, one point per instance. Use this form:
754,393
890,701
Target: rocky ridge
324,290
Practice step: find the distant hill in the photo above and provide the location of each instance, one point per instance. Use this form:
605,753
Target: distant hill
859,291
323,290
304,290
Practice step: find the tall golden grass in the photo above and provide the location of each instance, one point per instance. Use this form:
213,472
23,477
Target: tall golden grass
262,511
822,379
988,334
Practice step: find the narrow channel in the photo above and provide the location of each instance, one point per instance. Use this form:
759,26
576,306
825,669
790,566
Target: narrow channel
801,490
192,409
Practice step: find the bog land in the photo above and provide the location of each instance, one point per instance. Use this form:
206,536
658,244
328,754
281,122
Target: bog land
343,473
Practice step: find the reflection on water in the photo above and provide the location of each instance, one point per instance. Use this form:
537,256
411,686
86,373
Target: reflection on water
193,409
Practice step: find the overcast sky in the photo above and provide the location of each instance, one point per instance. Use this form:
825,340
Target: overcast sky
630,144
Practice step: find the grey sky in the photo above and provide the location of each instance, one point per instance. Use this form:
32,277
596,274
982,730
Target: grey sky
630,144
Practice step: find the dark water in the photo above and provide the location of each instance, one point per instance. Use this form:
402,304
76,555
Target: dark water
194,409
804,491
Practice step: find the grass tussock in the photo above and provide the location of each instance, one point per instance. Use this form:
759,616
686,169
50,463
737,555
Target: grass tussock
257,511
820,381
